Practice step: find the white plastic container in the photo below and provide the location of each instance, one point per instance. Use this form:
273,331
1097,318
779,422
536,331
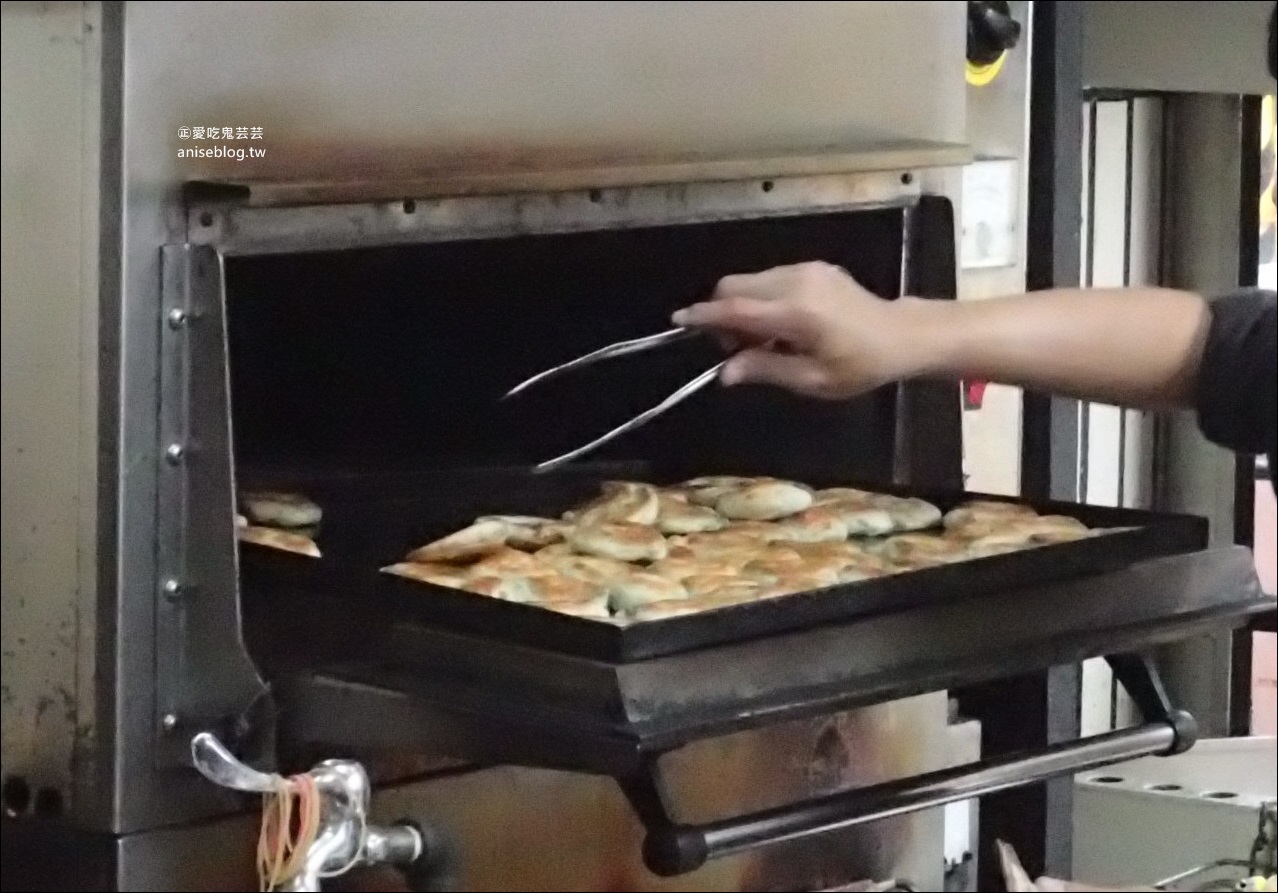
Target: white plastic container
1140,822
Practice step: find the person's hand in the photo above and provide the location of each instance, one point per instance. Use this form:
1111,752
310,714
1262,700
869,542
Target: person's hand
810,328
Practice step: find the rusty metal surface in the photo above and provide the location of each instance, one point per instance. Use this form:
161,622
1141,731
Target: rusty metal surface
504,818
245,229
521,829
339,87
50,368
477,174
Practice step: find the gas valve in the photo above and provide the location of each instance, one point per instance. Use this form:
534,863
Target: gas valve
338,836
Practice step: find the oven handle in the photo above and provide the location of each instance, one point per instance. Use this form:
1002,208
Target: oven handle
677,849
672,848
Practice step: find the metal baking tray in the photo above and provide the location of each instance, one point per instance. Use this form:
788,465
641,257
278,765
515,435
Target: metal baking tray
370,525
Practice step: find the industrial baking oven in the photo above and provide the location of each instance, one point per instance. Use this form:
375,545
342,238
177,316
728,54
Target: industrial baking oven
340,320
352,342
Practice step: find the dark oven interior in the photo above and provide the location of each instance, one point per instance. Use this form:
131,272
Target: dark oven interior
368,361
371,379
363,376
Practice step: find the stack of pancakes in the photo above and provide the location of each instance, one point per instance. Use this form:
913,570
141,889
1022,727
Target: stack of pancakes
286,522
640,552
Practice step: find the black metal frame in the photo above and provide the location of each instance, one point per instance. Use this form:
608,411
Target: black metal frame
1245,474
349,572
1043,708
498,703
672,848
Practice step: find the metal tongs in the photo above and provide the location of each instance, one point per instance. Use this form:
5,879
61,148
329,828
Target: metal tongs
621,349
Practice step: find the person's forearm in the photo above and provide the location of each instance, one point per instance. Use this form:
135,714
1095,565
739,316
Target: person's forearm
1137,347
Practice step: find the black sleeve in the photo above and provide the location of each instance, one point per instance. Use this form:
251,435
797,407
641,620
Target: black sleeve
1235,398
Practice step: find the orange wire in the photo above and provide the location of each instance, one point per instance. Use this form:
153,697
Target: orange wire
290,824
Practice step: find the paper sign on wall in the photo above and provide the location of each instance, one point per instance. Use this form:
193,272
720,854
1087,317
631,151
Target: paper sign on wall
990,220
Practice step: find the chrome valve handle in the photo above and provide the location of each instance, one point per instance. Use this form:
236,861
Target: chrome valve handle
345,839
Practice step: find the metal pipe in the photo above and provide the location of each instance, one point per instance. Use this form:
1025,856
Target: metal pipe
682,848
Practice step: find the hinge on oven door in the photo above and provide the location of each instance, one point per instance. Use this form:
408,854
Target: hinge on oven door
205,679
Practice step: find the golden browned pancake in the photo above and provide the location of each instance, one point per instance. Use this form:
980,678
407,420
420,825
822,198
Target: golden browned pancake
913,547
972,528
908,514
847,551
759,531
469,544
682,568
856,573
1050,529
624,542
507,588
984,512
705,584
280,509
861,518
735,592
592,608
727,545
555,549
568,595
639,588
622,502
768,567
764,501
529,533
844,495
679,517
673,568
447,575
789,584
591,568
815,525
708,491
1000,543
508,561
720,480
279,540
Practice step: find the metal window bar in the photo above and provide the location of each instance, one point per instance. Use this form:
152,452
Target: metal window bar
1106,141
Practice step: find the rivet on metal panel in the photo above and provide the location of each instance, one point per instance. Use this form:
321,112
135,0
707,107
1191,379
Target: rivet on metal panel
169,722
177,318
175,453
172,588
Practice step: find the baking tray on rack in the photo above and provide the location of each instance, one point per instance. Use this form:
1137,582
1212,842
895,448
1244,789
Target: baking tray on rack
370,525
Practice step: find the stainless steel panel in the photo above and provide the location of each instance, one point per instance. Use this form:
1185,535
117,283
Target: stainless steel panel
205,679
1176,46
339,87
50,360
343,88
521,829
